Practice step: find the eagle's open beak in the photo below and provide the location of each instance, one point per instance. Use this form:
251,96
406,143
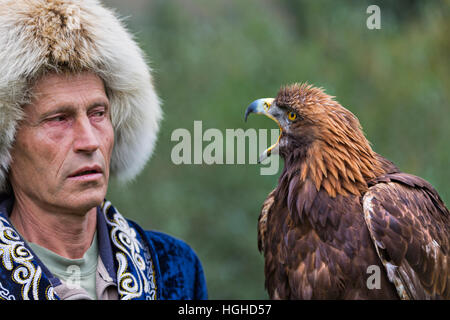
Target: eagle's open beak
263,106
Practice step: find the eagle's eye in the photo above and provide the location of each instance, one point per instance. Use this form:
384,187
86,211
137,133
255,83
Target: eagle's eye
266,106
292,115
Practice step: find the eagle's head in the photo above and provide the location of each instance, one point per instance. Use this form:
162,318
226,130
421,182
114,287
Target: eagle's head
319,138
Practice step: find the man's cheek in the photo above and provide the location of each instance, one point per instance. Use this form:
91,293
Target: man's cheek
110,146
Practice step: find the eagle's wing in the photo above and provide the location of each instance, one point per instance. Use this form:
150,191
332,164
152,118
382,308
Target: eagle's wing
262,220
409,225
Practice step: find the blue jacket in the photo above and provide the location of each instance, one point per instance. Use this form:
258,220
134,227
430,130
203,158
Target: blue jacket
181,271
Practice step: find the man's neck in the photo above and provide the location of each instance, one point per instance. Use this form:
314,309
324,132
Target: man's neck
67,234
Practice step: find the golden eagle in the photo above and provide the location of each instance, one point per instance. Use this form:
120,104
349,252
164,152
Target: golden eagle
341,211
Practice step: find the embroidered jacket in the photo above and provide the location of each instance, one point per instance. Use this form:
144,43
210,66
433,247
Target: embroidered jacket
145,265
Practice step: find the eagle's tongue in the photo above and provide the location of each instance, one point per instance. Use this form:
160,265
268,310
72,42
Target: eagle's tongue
273,149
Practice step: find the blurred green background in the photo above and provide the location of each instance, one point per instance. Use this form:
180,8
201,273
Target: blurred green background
212,58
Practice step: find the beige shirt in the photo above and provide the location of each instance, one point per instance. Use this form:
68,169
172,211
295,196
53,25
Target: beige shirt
94,282
105,286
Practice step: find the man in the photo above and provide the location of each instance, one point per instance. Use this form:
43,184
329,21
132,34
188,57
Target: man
76,106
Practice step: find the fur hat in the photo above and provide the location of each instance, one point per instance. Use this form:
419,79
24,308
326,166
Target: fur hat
77,35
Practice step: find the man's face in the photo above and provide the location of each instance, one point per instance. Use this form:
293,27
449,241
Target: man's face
62,150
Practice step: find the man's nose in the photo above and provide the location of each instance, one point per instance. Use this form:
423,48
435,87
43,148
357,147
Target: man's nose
86,139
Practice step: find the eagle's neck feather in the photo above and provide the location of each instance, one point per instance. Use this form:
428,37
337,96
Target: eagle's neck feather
341,169
338,168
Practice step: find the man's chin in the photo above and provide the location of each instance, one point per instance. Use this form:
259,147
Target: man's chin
82,202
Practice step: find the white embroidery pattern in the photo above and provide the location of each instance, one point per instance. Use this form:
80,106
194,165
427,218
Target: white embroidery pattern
50,293
13,251
4,294
124,238
150,275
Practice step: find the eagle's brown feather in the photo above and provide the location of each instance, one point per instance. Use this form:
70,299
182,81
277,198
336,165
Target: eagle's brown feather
262,220
410,225
312,227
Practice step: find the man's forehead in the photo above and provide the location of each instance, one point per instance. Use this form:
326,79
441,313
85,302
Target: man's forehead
54,90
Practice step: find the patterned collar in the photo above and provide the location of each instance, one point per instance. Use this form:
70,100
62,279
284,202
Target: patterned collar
126,252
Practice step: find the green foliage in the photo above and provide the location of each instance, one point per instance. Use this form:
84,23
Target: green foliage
212,58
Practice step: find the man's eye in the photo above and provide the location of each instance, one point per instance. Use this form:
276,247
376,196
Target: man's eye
57,119
98,113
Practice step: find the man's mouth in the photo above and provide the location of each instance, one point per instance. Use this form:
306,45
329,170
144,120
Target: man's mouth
91,172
